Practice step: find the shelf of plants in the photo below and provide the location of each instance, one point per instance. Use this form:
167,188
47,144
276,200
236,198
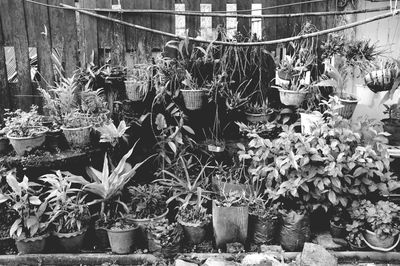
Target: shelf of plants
207,149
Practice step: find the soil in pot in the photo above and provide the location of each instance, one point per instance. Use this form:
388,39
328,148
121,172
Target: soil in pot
122,238
295,231
34,245
70,242
262,230
194,233
230,224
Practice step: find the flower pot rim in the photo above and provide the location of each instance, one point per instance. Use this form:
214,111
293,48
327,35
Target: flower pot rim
74,128
133,228
38,135
357,99
32,239
291,91
337,226
194,90
201,224
148,219
69,235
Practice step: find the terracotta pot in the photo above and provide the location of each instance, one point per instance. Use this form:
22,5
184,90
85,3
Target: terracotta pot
142,223
33,245
374,240
77,137
348,106
337,231
70,242
122,241
193,99
292,98
194,233
230,224
24,144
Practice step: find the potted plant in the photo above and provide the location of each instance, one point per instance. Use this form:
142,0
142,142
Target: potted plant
165,238
137,82
333,47
24,130
392,124
147,205
69,215
337,79
193,94
122,236
263,221
380,223
107,186
294,93
230,216
194,220
338,223
384,78
256,113
354,237
29,229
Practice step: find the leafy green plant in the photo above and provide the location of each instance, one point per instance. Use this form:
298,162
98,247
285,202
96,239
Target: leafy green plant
76,120
360,54
68,211
24,124
334,45
393,111
30,209
382,218
231,199
147,201
107,185
111,134
194,214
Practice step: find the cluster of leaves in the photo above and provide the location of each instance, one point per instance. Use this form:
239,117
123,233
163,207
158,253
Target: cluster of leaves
23,124
334,45
393,111
109,133
30,209
262,209
165,234
147,201
194,214
361,54
332,166
232,198
382,218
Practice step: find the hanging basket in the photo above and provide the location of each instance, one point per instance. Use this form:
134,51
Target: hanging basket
292,98
380,80
193,99
135,90
349,102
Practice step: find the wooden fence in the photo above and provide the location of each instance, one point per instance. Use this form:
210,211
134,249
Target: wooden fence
81,38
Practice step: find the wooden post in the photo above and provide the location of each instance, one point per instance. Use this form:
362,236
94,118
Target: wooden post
88,35
4,101
244,24
219,6
269,25
192,22
16,9
162,22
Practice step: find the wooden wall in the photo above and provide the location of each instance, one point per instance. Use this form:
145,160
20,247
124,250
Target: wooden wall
81,38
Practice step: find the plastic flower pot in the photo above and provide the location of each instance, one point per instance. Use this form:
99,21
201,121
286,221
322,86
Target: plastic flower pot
33,245
292,98
135,90
102,241
142,223
193,99
337,231
295,230
349,102
25,144
77,137
122,241
374,240
70,242
194,233
230,224
262,230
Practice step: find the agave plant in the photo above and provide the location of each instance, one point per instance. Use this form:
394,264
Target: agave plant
108,183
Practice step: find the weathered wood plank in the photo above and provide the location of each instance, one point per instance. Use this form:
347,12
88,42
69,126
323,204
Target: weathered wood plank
4,100
5,17
163,22
118,46
104,27
192,22
16,9
43,31
244,24
218,6
269,25
30,21
88,44
70,40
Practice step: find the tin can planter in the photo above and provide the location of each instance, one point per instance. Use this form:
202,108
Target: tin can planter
136,90
142,223
26,144
349,103
262,230
375,242
193,99
122,241
230,224
337,231
380,80
194,233
70,242
33,245
77,137
292,98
